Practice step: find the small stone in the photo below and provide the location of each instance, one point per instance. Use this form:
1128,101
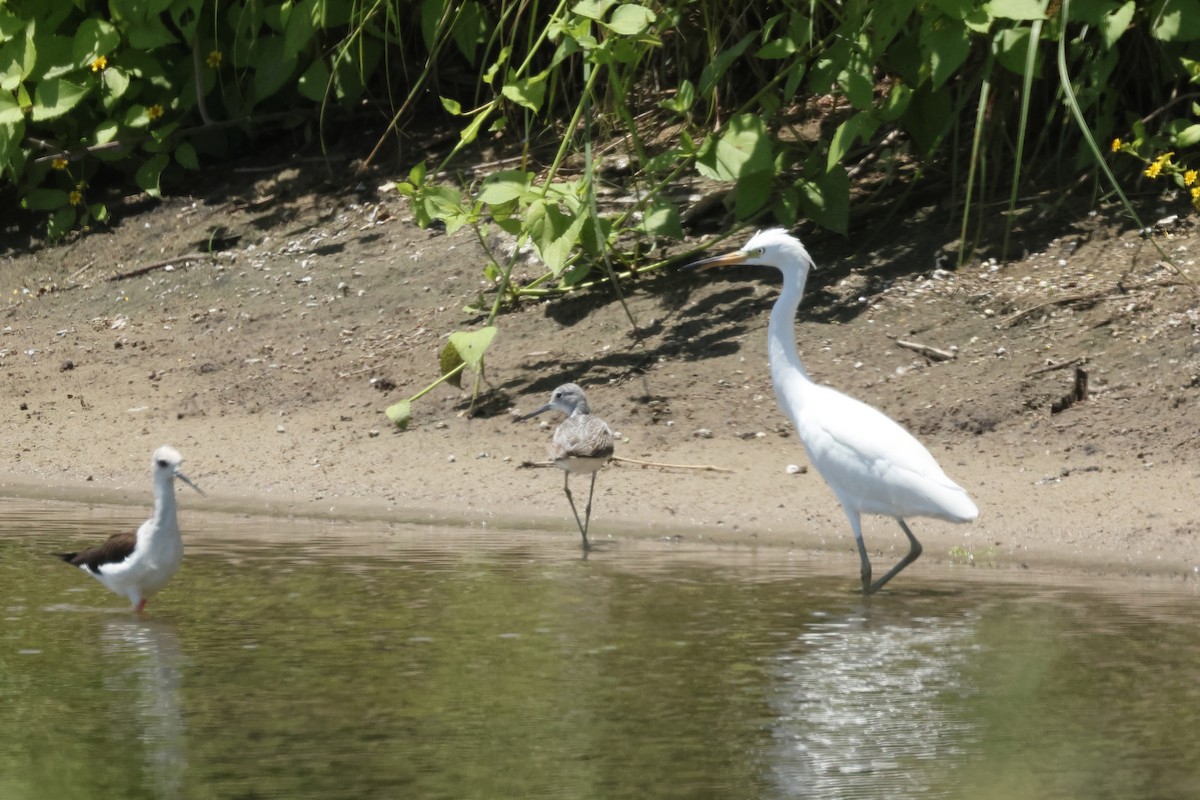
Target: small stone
279,429
452,459
372,433
795,469
703,433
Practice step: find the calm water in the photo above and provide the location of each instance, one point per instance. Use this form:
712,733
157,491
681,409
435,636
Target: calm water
310,660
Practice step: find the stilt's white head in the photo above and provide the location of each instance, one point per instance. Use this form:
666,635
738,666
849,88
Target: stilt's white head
166,466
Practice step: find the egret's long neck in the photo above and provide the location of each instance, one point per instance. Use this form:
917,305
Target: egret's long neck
787,373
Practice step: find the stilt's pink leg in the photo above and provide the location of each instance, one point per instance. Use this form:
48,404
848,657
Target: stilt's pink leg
141,604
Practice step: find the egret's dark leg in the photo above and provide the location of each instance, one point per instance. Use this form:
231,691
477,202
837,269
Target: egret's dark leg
913,554
571,500
856,527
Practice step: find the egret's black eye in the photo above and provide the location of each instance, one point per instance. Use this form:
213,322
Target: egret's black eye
162,463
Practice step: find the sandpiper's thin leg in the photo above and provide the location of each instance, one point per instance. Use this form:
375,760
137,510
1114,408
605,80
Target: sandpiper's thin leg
571,500
587,514
913,553
140,606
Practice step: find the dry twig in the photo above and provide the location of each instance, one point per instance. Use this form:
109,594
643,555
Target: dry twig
133,273
1058,365
932,353
619,459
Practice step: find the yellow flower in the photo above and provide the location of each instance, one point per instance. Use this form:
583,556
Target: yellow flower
1116,145
1195,193
99,63
59,163
76,197
1189,177
214,59
155,111
1153,170
1164,159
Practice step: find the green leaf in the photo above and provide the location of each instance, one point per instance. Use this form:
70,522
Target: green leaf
18,55
526,92
861,126
471,345
1016,9
945,44
10,111
185,154
504,186
1174,21
926,117
93,38
60,222
630,19
149,33
400,414
715,70
742,148
1182,133
555,235
826,200
116,81
54,58
896,102
56,97
471,132
272,67
592,9
300,27
751,193
786,206
417,173
471,30
136,116
452,107
1012,48
685,97
106,131
148,174
1114,25
955,9
45,199
489,76
661,219
437,203
314,81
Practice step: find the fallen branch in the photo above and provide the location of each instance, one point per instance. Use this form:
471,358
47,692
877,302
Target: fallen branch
1094,297
701,467
133,273
932,353
1052,367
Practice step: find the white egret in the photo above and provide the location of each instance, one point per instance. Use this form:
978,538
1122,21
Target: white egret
872,464
137,564
581,444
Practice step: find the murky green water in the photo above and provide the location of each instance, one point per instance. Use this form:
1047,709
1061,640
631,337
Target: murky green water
303,660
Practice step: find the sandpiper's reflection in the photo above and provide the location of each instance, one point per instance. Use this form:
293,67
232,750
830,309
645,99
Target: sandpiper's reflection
150,663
